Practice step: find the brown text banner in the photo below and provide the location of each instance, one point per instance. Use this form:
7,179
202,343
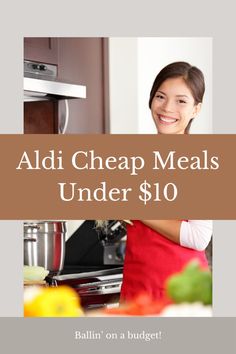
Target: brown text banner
118,177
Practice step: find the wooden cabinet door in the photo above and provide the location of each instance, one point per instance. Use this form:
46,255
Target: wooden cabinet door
42,49
83,61
40,117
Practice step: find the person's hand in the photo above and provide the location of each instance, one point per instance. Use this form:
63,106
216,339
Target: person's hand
128,222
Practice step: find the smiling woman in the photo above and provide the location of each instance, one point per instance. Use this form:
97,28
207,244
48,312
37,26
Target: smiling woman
156,249
176,97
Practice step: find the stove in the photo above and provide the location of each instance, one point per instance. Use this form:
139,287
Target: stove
94,264
97,288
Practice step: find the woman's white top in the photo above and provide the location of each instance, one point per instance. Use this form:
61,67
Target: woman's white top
196,234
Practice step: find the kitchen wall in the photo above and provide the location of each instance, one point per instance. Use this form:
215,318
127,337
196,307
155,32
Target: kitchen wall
72,226
133,66
123,85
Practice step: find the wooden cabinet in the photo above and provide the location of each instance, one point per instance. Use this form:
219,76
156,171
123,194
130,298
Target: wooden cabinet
41,117
42,49
81,61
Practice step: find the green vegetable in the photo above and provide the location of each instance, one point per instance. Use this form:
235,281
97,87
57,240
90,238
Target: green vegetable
193,284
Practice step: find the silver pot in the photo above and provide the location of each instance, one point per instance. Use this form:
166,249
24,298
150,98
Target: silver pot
44,244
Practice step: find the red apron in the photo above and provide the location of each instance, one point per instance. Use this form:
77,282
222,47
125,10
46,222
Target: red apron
149,259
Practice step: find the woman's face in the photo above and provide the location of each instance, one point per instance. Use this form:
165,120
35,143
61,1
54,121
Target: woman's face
173,106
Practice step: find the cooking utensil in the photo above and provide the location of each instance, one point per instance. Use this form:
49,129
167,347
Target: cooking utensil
44,244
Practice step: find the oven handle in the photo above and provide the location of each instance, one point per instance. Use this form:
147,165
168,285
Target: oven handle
99,289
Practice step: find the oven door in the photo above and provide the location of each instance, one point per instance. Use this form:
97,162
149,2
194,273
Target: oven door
97,289
101,294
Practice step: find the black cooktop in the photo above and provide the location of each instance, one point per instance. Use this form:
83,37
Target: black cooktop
74,269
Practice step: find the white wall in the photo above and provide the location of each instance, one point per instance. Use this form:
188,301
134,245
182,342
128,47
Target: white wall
133,66
123,85
72,226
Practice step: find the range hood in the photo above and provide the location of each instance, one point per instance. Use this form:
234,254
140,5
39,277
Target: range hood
41,83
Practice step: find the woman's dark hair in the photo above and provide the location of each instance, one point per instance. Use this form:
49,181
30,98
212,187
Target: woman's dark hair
192,76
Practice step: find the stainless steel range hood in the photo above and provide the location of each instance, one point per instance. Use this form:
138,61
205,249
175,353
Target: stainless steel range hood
41,83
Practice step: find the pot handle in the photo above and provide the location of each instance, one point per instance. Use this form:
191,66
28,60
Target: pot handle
33,226
31,239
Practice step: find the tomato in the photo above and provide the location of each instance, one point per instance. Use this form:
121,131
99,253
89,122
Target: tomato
142,305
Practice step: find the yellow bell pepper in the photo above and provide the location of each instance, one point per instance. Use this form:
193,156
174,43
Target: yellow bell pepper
60,301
